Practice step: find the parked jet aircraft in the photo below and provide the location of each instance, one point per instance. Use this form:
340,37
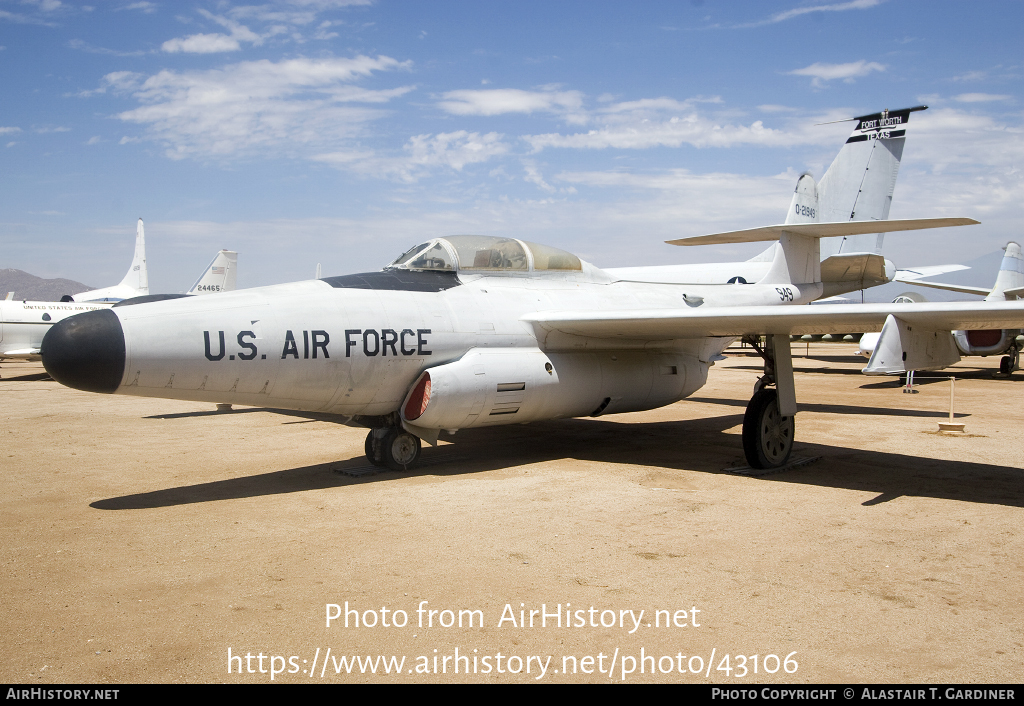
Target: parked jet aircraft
24,323
134,284
470,331
1009,285
858,186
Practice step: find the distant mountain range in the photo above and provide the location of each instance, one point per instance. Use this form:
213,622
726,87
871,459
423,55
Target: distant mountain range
26,286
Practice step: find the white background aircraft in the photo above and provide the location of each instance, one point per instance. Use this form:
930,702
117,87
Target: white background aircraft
23,324
468,331
135,282
1009,285
858,186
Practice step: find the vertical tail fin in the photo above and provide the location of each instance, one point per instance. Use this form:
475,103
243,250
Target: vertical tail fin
219,276
138,275
860,183
1011,274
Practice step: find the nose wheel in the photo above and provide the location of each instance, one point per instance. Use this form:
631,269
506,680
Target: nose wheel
767,435
392,448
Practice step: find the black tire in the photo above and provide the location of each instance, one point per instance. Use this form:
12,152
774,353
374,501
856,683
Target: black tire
767,435
377,459
1006,365
401,450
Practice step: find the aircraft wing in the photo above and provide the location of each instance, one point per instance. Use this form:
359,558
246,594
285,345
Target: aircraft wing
962,288
21,353
668,324
914,273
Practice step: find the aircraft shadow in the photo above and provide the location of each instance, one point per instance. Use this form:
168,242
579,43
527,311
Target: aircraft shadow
841,409
699,445
30,377
920,378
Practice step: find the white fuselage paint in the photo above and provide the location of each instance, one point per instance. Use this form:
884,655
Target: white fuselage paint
167,353
24,323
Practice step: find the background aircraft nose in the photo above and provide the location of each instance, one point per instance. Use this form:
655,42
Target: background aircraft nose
86,351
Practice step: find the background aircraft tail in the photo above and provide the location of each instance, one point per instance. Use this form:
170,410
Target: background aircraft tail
859,184
1010,280
219,276
138,274
134,284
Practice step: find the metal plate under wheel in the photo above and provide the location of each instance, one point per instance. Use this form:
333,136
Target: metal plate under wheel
371,470
748,471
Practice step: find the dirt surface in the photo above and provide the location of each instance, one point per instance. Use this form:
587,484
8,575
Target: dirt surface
144,539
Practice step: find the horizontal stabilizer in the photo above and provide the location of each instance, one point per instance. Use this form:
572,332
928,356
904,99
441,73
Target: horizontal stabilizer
821,230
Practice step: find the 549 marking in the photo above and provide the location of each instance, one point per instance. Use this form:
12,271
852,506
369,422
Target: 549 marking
785,294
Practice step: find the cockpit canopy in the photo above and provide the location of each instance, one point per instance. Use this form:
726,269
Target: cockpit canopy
485,253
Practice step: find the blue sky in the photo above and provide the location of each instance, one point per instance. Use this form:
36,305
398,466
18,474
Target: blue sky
342,132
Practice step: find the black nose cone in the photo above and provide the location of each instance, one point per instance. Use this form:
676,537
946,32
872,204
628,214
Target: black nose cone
86,351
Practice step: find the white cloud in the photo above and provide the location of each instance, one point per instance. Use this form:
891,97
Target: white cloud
498,101
9,130
641,130
213,43
289,106
980,97
799,11
116,82
201,44
144,6
421,154
971,144
821,73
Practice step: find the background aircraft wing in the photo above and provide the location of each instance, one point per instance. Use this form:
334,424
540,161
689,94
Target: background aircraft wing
962,288
914,273
697,322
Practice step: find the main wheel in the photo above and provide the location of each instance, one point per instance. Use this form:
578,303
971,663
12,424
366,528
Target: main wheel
767,435
401,450
1006,365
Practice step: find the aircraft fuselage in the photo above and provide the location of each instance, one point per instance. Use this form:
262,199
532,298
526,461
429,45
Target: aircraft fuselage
343,349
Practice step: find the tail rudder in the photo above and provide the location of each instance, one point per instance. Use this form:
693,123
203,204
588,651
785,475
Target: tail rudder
219,276
138,274
804,207
859,184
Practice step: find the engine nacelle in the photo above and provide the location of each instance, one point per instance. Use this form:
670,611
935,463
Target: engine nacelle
492,386
988,342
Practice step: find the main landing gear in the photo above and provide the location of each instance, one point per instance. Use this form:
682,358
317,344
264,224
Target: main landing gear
393,448
769,422
1009,363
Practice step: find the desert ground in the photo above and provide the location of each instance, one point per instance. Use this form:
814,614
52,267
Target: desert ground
145,539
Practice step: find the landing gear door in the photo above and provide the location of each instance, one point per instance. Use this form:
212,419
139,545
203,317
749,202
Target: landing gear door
784,375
